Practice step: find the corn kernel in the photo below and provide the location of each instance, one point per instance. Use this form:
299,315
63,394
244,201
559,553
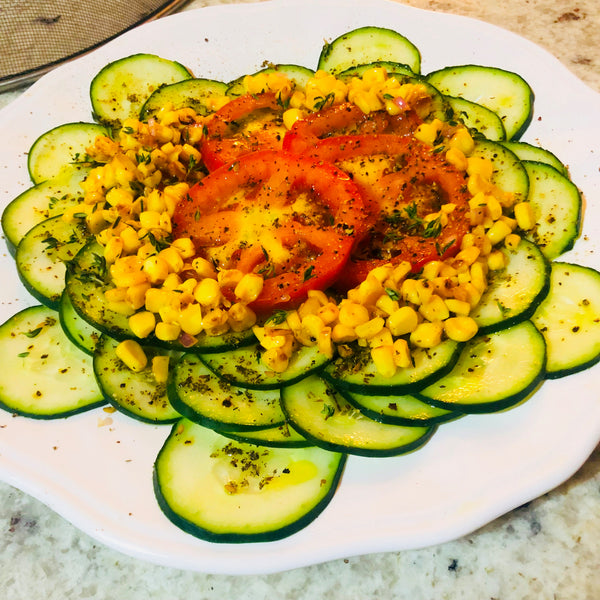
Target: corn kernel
292,115
353,314
142,323
132,354
150,219
383,338
512,240
458,307
173,259
434,309
342,334
185,247
249,287
370,328
497,260
241,317
457,158
167,332
524,215
160,368
204,268
384,360
427,334
136,295
462,140
229,277
481,166
328,313
276,359
460,329
156,268
190,319
208,292
324,342
403,321
402,356
498,231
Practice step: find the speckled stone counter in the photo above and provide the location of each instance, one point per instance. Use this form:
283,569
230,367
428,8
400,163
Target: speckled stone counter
548,549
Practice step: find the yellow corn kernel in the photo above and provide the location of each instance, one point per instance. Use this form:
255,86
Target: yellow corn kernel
428,132
478,183
167,332
271,337
497,260
458,307
132,354
427,334
342,334
130,239
462,140
204,268
432,269
319,295
324,342
368,291
478,272
512,240
113,249
119,197
409,291
383,338
249,287
434,309
150,219
117,294
142,323
402,321
498,231
127,271
292,115
156,298
190,319
310,306
481,166
160,368
524,215
172,282
156,269
96,222
457,158
460,329
241,317
276,359
384,360
208,292
353,314
402,356
468,293
370,328
215,321
329,313
169,313
173,259
136,295
382,272
386,305
123,308
185,247
146,250
466,257
229,277
313,325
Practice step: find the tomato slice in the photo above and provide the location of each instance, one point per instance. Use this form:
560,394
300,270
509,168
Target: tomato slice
346,119
402,182
246,124
287,217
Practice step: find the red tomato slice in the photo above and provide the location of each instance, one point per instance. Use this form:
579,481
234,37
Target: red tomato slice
287,217
402,182
346,119
246,124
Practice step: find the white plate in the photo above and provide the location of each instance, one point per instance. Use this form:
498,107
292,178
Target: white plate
472,471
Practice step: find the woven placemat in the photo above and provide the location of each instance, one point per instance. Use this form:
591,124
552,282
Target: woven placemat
38,35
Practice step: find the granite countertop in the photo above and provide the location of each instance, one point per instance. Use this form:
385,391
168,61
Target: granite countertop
547,549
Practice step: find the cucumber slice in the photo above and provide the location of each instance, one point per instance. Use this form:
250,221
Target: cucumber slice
42,201
55,378
243,367
526,151
509,173
208,400
326,418
80,332
504,92
392,68
515,292
120,89
487,378
366,45
42,255
569,319
557,208
400,410
222,490
190,93
298,74
360,374
86,283
476,116
136,394
282,436
60,148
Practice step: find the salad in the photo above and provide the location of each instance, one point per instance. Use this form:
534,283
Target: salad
293,267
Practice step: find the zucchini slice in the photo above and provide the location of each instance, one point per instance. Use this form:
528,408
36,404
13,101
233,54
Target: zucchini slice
515,292
327,419
42,201
392,68
221,490
366,45
136,394
281,436
79,331
504,92
494,372
60,148
476,116
556,205
121,88
210,401
55,378
42,255
569,319
526,151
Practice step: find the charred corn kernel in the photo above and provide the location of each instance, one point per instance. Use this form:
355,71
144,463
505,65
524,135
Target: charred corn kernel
384,360
190,319
403,321
460,329
457,158
132,354
142,323
496,261
156,268
463,141
204,268
185,247
458,307
524,215
275,338
402,355
383,338
276,359
150,219
160,368
113,249
353,314
434,309
208,292
370,328
498,231
329,313
229,277
427,334
249,287
291,115
167,332
215,318
241,317
512,240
